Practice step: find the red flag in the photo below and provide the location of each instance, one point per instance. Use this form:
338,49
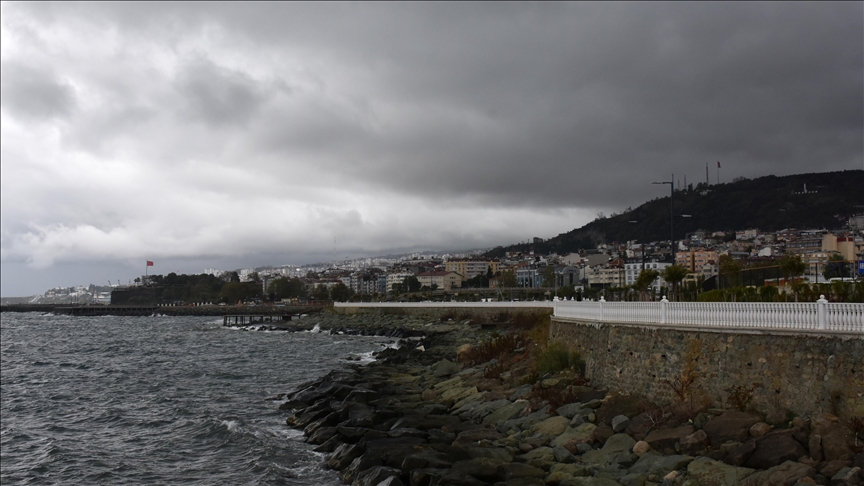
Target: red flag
718,164
149,263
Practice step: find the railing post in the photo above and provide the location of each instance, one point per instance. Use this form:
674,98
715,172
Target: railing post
821,312
602,314
663,310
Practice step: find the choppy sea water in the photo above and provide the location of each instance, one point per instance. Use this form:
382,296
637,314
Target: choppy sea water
157,400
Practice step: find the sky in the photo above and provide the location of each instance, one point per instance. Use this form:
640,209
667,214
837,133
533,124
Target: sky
233,135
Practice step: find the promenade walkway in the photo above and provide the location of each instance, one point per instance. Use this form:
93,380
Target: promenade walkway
821,317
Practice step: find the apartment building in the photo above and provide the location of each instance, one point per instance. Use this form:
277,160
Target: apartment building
471,267
442,280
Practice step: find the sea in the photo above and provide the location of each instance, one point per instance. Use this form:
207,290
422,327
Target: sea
159,400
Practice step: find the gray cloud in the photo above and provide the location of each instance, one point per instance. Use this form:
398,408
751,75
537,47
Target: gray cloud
34,93
168,130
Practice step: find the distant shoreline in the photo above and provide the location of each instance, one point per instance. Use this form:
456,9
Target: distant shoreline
203,310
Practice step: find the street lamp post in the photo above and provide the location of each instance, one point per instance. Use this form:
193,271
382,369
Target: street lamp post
671,214
642,243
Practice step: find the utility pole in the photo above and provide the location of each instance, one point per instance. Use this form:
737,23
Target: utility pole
671,214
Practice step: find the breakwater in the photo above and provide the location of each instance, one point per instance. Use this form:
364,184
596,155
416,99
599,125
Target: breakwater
419,416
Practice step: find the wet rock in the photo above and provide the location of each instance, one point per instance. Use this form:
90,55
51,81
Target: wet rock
560,472
519,470
664,440
626,405
569,410
848,476
580,435
563,455
602,433
642,424
759,429
815,446
774,449
740,454
344,455
426,459
620,423
470,437
837,439
641,448
375,475
830,468
589,481
787,473
614,445
695,442
541,457
357,466
659,465
445,368
554,426
730,426
708,472
505,412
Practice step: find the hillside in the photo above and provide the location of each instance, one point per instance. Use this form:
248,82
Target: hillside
769,203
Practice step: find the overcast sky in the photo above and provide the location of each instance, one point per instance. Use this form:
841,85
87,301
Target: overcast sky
230,135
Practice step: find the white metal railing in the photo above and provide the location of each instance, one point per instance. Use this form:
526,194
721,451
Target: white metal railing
488,305
819,316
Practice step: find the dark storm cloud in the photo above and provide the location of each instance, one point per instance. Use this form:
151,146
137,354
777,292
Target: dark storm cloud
175,130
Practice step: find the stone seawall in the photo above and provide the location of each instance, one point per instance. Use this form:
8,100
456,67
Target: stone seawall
778,375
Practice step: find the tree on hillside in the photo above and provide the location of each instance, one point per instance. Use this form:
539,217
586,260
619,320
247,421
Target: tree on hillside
674,274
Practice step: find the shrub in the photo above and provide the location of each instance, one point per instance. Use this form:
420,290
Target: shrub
557,357
494,348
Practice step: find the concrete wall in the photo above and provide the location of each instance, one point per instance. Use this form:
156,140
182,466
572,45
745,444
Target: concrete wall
792,373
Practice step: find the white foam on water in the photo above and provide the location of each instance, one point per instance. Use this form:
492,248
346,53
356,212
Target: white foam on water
231,425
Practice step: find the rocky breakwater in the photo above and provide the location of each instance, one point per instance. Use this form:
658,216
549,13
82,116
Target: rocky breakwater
416,416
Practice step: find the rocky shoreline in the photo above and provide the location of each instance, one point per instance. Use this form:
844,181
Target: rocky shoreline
417,416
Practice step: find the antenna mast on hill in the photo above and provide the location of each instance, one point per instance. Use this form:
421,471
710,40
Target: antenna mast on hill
706,175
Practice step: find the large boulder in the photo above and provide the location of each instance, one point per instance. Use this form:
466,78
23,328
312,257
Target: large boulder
554,426
655,464
774,449
615,445
582,434
734,426
344,455
506,412
787,473
626,405
445,368
708,472
837,439
695,442
664,440
474,436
